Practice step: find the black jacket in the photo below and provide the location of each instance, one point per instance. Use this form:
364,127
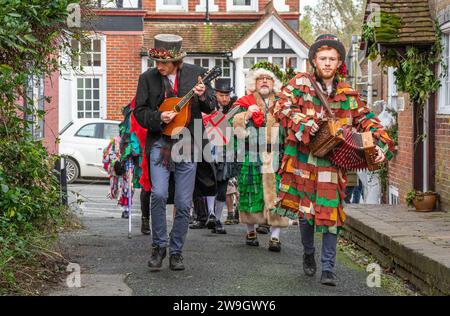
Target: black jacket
150,94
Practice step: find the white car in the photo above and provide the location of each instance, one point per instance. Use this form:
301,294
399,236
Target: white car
82,142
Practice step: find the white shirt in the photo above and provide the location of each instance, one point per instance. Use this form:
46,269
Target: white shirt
172,79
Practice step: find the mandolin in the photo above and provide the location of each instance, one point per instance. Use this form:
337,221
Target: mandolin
183,106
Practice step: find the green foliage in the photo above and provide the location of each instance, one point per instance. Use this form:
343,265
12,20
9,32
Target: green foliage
415,70
32,35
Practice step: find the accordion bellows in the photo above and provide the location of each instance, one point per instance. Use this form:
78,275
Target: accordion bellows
345,148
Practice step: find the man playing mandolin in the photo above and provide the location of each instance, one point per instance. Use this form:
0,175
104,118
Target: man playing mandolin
312,187
171,78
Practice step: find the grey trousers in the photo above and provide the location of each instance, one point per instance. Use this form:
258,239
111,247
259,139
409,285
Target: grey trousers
184,189
329,242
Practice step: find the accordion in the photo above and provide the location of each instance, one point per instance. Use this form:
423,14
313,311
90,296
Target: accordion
345,148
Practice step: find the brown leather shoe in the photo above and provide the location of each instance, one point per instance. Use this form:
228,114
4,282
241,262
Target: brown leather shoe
251,239
274,244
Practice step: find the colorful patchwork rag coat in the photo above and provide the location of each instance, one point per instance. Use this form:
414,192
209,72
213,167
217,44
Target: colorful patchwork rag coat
311,187
257,177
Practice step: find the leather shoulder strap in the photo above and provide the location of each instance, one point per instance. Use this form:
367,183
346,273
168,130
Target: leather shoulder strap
321,96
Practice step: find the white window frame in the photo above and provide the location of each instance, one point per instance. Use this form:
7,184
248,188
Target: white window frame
269,57
444,108
127,4
161,7
253,7
221,67
145,61
94,72
91,99
202,59
202,6
394,197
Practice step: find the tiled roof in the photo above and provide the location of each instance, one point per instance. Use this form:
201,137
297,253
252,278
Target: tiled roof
417,23
200,37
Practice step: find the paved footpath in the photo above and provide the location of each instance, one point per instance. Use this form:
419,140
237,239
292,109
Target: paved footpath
416,244
112,264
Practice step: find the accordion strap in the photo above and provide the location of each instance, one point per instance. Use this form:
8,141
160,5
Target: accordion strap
321,96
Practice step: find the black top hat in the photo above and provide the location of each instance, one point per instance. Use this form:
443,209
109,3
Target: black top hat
223,85
167,48
326,40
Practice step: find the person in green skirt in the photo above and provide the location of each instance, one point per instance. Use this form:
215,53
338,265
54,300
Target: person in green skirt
257,140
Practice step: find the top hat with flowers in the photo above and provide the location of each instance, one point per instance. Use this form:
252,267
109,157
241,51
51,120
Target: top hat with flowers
167,48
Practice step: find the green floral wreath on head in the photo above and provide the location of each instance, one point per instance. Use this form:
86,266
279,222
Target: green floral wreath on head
270,67
284,77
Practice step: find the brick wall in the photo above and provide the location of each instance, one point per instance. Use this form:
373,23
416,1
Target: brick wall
123,70
51,113
442,184
401,166
150,5
440,9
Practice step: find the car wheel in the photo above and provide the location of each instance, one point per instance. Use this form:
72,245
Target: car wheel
72,170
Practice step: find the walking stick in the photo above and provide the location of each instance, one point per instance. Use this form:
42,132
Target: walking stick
130,196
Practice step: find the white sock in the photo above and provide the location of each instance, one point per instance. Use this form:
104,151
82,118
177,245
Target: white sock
210,202
276,232
218,208
250,228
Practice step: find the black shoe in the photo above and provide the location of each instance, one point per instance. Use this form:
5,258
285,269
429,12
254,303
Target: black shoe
211,222
263,229
251,239
158,255
219,228
125,214
176,262
274,244
309,264
145,226
328,278
197,225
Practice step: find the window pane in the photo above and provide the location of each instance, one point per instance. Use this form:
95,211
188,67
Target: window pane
97,60
110,131
96,105
75,44
88,114
88,94
291,62
96,114
198,62
241,2
85,60
88,82
96,95
96,83
86,46
79,83
172,2
80,94
97,46
87,130
80,115
226,63
218,62
278,61
249,62
80,106
226,72
88,106
205,63
260,59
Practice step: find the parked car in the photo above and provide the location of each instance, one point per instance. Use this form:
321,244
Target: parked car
82,142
